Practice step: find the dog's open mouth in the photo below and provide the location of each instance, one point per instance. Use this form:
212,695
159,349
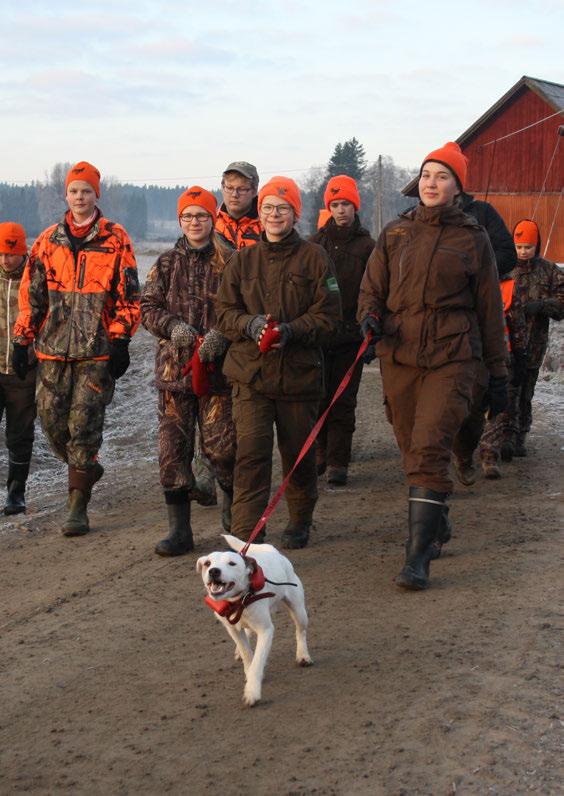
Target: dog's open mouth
218,587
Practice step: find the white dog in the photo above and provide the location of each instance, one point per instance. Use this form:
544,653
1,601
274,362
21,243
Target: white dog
235,585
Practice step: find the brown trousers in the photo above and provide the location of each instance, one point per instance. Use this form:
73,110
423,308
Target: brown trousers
426,409
335,438
255,417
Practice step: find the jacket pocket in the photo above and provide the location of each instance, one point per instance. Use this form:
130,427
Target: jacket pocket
451,335
299,294
302,372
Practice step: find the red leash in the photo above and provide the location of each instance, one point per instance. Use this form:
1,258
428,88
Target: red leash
306,446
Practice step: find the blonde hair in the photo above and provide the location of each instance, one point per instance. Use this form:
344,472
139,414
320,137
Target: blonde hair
221,253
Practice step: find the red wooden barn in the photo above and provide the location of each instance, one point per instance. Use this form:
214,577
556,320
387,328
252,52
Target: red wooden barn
516,159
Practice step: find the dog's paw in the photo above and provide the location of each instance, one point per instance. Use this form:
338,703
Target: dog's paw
251,695
304,660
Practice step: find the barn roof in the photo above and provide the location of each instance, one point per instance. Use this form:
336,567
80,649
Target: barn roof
551,93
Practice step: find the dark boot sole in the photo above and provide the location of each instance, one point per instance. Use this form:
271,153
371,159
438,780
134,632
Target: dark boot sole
9,510
78,531
169,552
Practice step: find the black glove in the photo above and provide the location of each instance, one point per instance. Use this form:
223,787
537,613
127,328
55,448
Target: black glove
372,324
119,357
533,308
285,334
497,394
369,354
20,361
518,366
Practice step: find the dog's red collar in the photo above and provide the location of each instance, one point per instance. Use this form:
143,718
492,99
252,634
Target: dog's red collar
232,611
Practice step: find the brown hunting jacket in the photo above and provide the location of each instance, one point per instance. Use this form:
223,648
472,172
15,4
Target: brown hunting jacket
181,285
432,279
540,279
349,248
293,281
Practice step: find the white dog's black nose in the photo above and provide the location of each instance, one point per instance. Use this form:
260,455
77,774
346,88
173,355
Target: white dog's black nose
214,573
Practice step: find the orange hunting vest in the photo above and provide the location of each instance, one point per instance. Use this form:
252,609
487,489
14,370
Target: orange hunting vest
507,298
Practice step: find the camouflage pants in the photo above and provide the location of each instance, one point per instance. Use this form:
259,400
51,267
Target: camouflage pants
178,414
71,403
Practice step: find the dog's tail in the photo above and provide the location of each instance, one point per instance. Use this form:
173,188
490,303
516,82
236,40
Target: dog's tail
233,542
236,544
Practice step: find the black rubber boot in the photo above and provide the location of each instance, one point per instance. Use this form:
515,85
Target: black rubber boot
17,477
179,539
426,512
296,535
444,534
15,500
226,511
520,450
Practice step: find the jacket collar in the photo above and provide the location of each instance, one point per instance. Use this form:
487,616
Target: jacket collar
61,237
184,247
446,214
291,240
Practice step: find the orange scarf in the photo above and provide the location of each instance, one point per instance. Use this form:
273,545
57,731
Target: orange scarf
81,230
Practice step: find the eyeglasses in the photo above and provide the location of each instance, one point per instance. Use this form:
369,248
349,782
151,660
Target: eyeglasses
268,210
201,218
232,191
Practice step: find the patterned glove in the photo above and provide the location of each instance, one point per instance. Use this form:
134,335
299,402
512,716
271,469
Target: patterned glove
213,346
255,327
20,362
372,324
183,335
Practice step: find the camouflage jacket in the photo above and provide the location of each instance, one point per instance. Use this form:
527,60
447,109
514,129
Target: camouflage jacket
181,285
73,302
238,232
540,280
9,288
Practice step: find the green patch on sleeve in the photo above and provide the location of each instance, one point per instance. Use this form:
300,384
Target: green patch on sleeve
332,285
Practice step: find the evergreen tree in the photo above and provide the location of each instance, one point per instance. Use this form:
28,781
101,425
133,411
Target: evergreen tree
348,158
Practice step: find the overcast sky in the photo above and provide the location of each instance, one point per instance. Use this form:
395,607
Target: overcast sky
171,92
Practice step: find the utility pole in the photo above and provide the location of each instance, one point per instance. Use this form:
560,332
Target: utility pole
379,198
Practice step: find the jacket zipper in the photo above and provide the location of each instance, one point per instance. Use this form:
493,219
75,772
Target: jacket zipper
82,271
73,302
8,327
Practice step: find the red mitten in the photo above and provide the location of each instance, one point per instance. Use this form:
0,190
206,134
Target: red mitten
270,337
200,372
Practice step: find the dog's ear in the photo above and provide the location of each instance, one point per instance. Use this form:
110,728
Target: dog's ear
200,563
251,564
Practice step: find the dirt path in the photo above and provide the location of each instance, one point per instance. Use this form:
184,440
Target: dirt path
115,679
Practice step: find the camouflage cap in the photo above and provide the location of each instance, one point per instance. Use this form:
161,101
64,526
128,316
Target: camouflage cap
246,169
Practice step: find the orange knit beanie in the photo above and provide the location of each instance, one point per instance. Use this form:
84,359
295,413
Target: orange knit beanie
450,155
12,238
196,195
285,188
87,173
341,187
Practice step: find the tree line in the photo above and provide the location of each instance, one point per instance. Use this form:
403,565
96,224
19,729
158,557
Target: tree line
149,211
